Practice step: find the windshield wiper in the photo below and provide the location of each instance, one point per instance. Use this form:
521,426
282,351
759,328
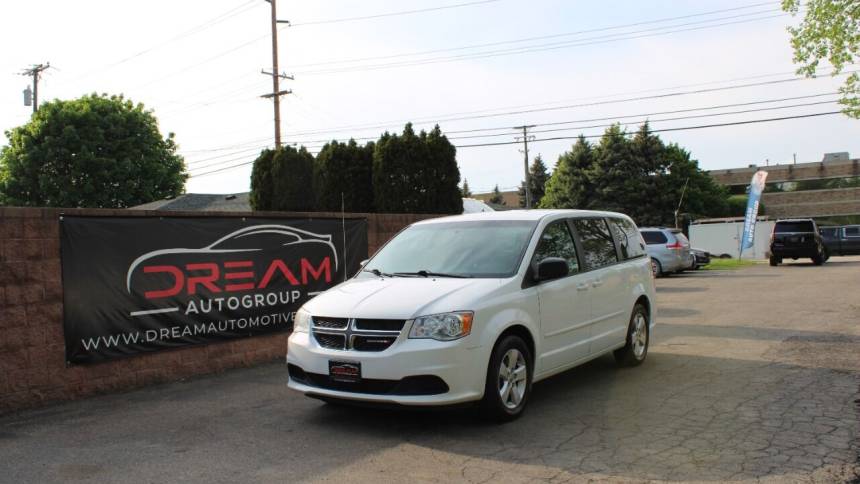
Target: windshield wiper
377,272
423,273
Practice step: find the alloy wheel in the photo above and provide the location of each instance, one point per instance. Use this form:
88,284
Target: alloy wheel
639,338
513,378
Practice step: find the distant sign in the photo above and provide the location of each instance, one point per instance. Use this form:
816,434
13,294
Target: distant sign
756,188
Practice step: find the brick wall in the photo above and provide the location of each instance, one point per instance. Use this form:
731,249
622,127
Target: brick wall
812,203
32,352
782,173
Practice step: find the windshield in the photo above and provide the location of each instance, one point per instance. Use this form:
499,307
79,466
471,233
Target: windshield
800,226
464,249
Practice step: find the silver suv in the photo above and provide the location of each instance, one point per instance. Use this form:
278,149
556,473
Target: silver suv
669,249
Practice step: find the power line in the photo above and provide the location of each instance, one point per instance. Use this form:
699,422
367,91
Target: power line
606,118
255,142
534,48
663,130
391,14
238,10
529,39
678,118
444,118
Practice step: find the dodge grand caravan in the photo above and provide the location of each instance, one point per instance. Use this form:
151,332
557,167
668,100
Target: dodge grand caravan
476,308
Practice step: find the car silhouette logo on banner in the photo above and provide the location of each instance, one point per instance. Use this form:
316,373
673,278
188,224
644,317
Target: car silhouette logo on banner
242,266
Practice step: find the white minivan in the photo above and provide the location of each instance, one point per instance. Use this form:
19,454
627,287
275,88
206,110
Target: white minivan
477,307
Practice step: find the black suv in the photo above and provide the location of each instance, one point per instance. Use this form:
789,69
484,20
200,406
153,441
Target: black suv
796,238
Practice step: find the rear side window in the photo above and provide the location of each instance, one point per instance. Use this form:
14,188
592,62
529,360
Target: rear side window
556,241
629,241
597,243
827,232
786,227
653,237
852,231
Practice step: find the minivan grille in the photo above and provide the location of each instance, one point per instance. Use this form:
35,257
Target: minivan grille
356,334
334,323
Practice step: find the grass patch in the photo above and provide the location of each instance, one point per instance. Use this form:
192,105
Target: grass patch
728,264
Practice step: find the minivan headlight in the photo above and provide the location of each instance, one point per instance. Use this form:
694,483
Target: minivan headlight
442,327
302,322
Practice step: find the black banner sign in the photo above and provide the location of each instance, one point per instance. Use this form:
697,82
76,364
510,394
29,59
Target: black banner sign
138,284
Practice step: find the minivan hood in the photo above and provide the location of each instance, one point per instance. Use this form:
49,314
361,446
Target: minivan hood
400,297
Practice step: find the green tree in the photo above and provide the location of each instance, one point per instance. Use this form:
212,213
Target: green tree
416,173
97,151
569,186
466,192
703,197
538,176
292,176
497,198
613,174
830,31
282,180
262,184
344,168
641,177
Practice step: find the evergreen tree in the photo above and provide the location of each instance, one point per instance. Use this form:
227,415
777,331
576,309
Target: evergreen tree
293,175
262,184
465,191
344,170
416,173
538,177
497,198
569,185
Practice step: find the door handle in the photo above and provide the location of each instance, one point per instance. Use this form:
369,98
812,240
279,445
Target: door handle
597,283
582,287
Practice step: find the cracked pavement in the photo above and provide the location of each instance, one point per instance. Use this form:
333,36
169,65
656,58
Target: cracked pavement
752,375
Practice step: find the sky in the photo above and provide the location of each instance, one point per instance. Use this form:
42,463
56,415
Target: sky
465,64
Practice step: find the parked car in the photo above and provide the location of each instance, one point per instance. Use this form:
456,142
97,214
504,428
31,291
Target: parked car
669,250
796,238
476,308
700,258
841,240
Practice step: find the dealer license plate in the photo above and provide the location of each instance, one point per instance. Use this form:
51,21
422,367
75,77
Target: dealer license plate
345,371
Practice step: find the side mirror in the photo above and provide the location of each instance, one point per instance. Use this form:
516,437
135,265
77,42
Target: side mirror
363,263
552,268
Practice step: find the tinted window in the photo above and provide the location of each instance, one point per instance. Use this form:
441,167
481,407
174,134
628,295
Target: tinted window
852,231
784,227
629,241
596,242
828,232
474,249
654,237
556,241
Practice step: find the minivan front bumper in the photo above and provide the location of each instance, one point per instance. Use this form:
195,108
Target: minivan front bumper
409,372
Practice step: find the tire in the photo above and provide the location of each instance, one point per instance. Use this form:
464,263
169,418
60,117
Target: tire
638,337
506,393
774,261
656,268
818,259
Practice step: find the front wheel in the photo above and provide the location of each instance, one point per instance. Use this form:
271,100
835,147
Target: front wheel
638,337
774,260
509,380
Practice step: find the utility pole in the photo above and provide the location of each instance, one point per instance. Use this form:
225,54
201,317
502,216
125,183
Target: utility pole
276,76
525,137
681,201
35,71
